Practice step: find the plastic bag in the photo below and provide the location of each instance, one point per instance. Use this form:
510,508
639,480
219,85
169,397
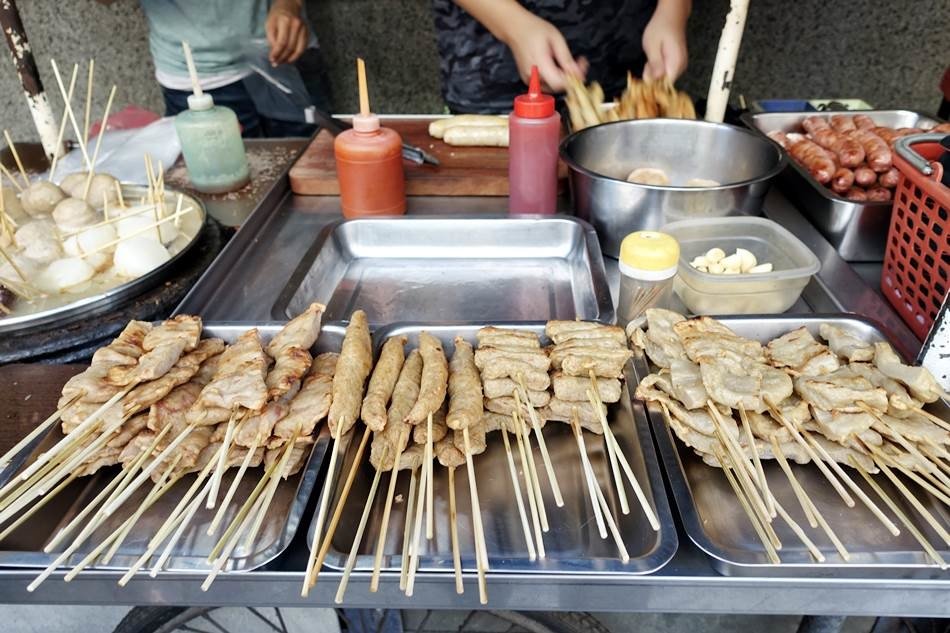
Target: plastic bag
278,92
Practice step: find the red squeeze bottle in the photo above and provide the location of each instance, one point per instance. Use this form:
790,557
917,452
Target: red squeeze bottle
534,130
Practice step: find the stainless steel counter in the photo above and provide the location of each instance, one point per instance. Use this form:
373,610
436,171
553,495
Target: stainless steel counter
244,285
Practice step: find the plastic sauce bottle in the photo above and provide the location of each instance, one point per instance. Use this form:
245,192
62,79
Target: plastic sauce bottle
369,164
211,141
648,264
534,130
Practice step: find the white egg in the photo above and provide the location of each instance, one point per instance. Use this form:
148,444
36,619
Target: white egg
138,255
747,259
714,255
63,274
94,238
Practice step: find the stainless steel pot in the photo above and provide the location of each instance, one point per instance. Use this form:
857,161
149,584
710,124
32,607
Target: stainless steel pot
600,158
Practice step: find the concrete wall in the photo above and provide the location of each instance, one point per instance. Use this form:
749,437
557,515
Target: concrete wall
890,54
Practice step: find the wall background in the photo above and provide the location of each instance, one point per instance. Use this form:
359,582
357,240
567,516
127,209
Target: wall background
889,53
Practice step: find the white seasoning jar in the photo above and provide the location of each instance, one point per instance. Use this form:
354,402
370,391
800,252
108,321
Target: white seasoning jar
648,264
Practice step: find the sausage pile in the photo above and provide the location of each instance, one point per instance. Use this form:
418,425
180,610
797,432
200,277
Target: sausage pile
849,154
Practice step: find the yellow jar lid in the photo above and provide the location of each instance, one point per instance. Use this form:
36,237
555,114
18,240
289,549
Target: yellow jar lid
649,250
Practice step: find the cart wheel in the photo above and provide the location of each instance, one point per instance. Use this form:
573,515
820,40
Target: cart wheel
205,620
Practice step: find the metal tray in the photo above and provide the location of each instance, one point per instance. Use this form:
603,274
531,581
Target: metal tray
857,230
573,545
24,547
716,523
85,303
449,269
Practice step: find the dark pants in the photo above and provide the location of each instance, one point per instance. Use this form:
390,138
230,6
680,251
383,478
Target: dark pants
253,124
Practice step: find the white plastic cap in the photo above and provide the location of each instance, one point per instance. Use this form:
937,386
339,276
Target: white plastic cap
368,123
200,102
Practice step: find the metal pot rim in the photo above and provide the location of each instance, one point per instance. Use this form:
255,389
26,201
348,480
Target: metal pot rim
573,165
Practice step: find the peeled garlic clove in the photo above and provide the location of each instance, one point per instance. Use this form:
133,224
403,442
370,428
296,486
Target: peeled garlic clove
731,271
747,259
716,268
761,268
732,262
714,255
699,262
702,269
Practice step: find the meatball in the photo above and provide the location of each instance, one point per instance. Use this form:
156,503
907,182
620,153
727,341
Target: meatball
73,213
41,197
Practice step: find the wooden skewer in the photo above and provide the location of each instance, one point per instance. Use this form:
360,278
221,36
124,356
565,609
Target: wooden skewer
7,531
10,177
939,529
770,550
532,468
118,191
338,511
222,459
184,520
454,532
854,487
593,396
634,483
933,418
929,450
759,471
803,500
87,114
178,204
144,229
520,502
529,482
900,515
481,555
927,485
35,433
229,546
310,577
909,446
430,494
351,559
95,154
590,478
139,210
62,125
269,493
548,466
415,545
407,531
13,265
16,158
384,522
72,117
232,489
180,508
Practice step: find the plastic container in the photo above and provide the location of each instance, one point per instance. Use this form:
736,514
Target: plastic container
648,264
212,146
762,293
534,131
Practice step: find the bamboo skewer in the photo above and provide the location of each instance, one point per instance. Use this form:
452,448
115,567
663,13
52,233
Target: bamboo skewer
35,433
118,192
545,456
351,559
593,395
229,546
590,479
415,544
269,493
36,507
245,513
87,113
770,550
900,515
481,555
321,517
803,500
933,418
407,531
516,484
72,117
923,483
183,522
757,462
62,125
232,489
181,507
222,460
939,529
16,158
95,154
532,468
454,533
6,172
529,482
384,522
142,230
430,494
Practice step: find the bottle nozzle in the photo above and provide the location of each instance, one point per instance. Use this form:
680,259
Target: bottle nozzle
534,84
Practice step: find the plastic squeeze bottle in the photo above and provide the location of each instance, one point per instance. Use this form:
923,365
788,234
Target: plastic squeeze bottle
369,163
534,130
211,141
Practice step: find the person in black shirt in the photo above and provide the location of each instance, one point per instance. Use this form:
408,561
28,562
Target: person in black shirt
487,47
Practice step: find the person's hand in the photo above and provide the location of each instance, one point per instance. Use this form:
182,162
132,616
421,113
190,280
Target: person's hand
536,42
664,42
287,32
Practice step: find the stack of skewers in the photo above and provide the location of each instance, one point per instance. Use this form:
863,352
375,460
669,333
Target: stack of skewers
162,403
445,410
736,402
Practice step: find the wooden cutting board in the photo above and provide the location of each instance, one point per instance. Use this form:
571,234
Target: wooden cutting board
464,171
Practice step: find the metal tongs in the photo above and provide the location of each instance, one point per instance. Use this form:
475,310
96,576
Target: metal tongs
410,152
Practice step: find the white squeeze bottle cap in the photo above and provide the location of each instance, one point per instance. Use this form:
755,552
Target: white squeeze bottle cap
198,100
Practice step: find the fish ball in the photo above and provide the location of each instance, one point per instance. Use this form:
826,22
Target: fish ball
715,255
94,238
73,213
74,184
63,274
138,255
648,176
37,240
102,190
12,206
26,265
41,197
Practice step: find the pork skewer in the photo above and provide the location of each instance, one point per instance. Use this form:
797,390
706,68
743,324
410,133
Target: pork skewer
432,390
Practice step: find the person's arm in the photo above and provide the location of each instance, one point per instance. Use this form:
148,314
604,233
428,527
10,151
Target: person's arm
286,30
532,40
664,40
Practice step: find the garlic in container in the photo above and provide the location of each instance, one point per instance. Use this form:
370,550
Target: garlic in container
716,261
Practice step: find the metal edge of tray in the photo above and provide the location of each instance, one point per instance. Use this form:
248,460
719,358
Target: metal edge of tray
601,289
680,490
667,542
308,476
14,324
824,208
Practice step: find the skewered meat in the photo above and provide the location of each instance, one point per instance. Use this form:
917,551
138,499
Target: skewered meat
420,432
506,404
823,363
477,438
310,405
842,391
507,338
324,364
396,433
562,411
300,332
488,356
704,338
843,455
435,379
256,428
576,388
464,387
656,388
298,457
765,427
687,384
794,409
447,454
185,369
915,428
76,414
291,365
846,344
921,383
564,328
899,400
501,387
840,427
239,382
382,382
732,389
132,427
794,349
352,369
125,349
171,410
507,368
178,328
606,364
591,344
496,421
163,346
37,241
611,332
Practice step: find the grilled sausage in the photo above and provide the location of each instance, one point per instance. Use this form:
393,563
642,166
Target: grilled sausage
813,158
382,382
864,122
877,150
864,176
842,123
890,178
857,194
435,374
842,180
879,194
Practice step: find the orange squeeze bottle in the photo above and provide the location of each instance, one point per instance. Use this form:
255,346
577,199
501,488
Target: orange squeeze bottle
369,164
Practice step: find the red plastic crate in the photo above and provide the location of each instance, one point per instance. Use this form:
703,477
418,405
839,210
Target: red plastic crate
916,273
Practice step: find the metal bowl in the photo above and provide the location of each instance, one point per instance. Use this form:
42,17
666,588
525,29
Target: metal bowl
600,158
